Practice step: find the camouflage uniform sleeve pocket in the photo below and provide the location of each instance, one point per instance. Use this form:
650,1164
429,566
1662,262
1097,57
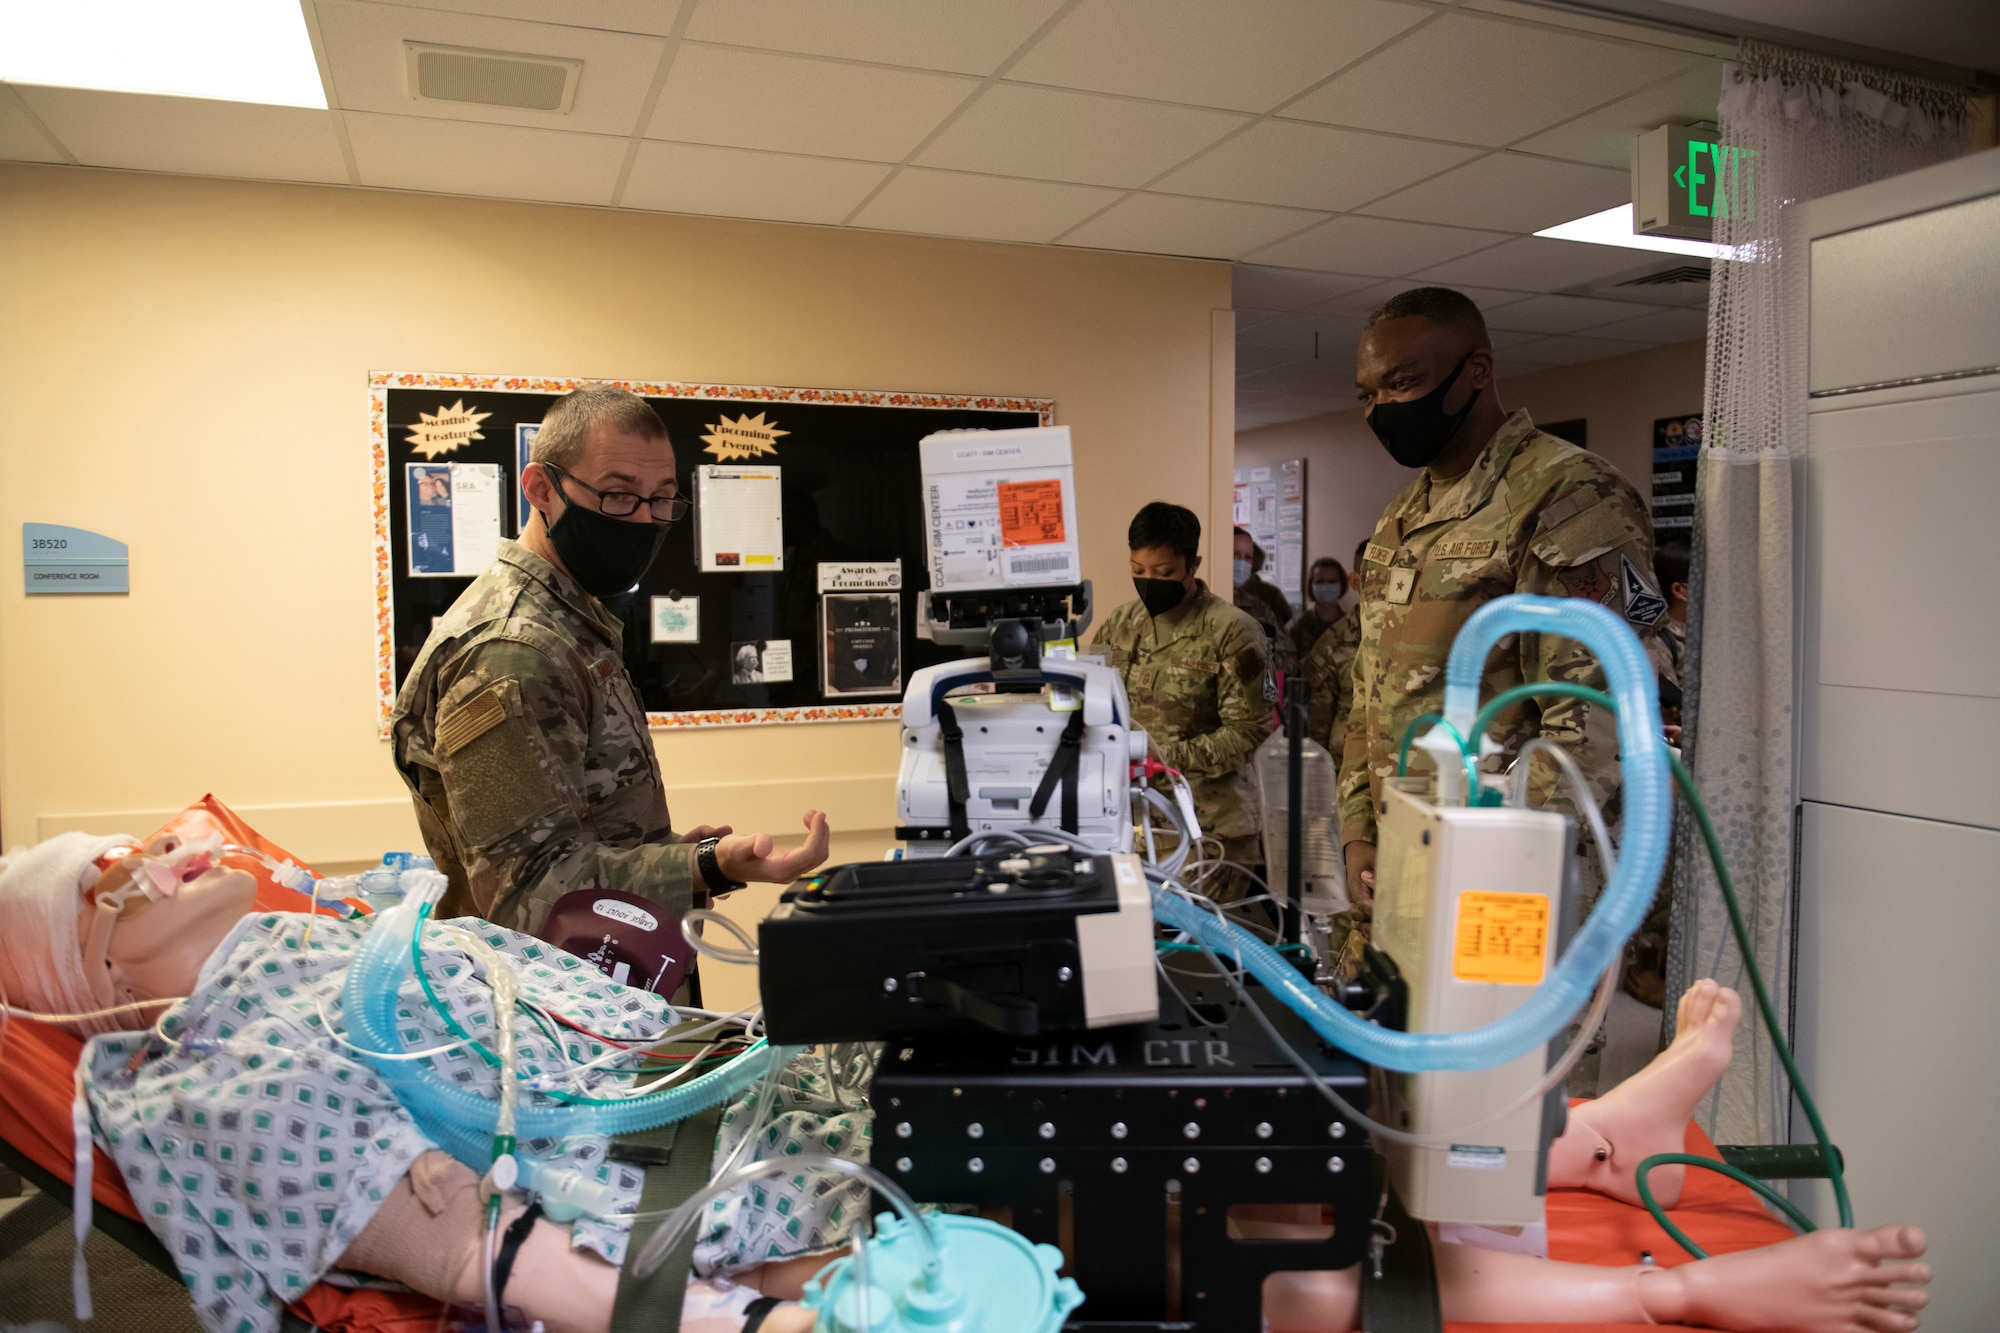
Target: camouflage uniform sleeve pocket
496,773
1577,537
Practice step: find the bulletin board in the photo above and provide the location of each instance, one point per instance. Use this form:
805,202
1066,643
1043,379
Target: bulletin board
1271,507
775,611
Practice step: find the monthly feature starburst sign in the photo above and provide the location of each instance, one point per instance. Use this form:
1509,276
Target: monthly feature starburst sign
745,437
446,429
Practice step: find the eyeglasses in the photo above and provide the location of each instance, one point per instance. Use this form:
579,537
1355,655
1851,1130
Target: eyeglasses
624,504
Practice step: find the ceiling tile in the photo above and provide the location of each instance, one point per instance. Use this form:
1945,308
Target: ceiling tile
1560,314
1660,326
1050,134
1605,136
1260,287
1372,245
973,39
1289,381
1311,166
1169,224
800,104
364,51
20,139
653,16
733,182
1509,192
1570,351
498,161
996,208
1304,334
1364,301
1484,81
1535,263
1254,356
191,136
1248,55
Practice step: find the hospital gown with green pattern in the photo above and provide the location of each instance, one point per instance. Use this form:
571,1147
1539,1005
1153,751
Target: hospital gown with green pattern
258,1145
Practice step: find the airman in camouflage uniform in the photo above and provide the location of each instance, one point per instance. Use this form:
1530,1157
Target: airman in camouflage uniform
1264,604
525,748
1533,514
519,732
1329,673
1195,677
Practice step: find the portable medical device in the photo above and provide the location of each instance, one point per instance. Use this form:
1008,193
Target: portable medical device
1043,939
1473,905
1034,737
1051,748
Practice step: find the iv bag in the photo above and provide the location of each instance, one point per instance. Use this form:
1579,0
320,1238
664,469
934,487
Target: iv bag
1322,871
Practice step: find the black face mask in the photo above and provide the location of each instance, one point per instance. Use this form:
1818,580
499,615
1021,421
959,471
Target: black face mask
1160,596
1416,432
605,555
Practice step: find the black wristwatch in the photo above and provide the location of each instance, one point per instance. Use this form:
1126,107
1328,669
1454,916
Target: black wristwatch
711,869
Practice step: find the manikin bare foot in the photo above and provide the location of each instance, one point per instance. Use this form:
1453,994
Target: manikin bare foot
1648,1112
1826,1282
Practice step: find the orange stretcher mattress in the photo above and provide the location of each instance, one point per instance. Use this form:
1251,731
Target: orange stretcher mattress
40,1061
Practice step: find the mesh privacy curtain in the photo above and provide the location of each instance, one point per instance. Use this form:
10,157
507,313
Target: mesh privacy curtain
1802,126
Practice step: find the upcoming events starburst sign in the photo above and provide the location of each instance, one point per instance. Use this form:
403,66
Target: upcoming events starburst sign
744,437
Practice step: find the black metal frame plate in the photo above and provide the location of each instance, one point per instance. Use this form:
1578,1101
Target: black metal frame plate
1125,1120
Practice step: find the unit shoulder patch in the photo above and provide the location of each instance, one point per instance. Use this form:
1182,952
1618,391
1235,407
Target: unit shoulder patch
1643,603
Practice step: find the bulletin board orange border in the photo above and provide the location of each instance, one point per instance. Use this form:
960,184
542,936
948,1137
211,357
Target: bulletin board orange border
381,381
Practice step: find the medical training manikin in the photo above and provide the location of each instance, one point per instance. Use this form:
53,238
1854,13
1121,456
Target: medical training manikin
267,1152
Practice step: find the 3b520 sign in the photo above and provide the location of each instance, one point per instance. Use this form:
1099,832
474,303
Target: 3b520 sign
1683,179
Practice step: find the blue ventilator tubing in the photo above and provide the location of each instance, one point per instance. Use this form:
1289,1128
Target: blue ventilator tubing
1648,805
462,1121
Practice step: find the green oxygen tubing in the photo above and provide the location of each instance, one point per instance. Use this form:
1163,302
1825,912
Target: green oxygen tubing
463,1122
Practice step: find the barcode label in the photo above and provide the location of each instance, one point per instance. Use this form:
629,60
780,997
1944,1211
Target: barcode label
1038,564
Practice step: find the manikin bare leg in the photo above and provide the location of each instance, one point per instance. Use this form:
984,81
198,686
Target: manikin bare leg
1648,1113
1827,1282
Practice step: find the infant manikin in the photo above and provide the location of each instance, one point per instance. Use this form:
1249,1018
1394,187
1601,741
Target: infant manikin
267,1155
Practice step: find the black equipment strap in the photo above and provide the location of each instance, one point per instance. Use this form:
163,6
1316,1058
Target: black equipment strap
1399,1291
653,1304
510,1245
1065,768
1014,1015
957,786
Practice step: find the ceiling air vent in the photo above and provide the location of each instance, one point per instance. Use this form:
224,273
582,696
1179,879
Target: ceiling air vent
1671,277
491,78
1679,282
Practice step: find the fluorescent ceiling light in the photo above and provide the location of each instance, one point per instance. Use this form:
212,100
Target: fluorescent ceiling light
1614,227
225,50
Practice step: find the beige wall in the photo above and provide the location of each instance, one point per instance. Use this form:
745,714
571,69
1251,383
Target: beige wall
184,363
1349,477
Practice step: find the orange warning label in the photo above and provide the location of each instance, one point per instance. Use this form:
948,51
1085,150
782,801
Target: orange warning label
1030,512
1501,937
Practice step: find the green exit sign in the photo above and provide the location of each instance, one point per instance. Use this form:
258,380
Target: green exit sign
1683,179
